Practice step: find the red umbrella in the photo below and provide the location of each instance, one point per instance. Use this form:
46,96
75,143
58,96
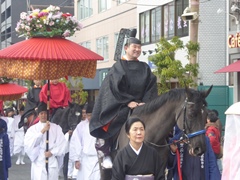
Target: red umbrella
234,67
9,92
47,58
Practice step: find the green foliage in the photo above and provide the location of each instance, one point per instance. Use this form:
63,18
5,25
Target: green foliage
79,96
169,69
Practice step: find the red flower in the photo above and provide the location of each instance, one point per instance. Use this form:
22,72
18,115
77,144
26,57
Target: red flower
66,15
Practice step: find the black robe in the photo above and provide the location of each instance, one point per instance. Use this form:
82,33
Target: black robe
5,158
126,81
127,162
32,103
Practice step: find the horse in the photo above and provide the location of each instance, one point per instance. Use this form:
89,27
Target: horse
184,107
67,118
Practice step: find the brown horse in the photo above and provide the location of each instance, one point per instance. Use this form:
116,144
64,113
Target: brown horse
184,107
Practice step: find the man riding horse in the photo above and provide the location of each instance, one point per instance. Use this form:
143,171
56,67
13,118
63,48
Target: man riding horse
129,83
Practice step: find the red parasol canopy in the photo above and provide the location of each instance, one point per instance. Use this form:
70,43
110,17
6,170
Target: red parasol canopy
9,92
234,67
47,58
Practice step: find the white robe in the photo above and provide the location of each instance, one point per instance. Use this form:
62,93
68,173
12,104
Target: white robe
10,132
82,148
35,146
18,136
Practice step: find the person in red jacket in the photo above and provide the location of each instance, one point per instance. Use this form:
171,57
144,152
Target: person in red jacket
59,95
213,132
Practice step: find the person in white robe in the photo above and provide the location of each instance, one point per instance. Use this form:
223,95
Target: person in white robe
82,150
18,138
35,147
9,112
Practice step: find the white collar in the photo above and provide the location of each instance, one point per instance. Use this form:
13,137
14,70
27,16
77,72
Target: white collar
136,151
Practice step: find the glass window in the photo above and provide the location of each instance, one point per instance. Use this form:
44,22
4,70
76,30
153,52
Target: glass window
182,27
84,9
145,27
103,5
156,21
8,11
102,47
8,32
169,20
3,16
86,44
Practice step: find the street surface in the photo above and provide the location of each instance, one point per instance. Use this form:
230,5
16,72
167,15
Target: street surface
21,172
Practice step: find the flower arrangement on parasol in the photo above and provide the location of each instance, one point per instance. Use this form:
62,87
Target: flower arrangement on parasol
49,22
4,80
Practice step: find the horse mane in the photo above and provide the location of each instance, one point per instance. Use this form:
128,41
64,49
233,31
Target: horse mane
174,95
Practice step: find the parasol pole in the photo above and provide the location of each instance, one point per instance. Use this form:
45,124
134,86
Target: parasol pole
48,112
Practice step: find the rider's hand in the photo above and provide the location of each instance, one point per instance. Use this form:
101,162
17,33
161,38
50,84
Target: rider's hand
132,104
77,164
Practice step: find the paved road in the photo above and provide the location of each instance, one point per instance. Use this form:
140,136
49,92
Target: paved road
21,172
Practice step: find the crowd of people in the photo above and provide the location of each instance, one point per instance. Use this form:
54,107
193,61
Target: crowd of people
129,83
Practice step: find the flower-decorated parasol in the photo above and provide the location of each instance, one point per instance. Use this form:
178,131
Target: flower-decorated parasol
47,58
47,54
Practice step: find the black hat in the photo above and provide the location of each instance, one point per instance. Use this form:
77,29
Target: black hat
133,40
22,108
8,110
90,107
42,107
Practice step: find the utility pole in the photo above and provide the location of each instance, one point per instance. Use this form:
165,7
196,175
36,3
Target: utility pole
194,5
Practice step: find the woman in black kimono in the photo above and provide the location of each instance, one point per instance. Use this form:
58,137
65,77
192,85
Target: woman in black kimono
137,159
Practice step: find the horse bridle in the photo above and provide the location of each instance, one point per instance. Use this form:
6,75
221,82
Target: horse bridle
185,137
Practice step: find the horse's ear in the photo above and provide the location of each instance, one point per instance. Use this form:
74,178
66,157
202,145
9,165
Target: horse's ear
206,93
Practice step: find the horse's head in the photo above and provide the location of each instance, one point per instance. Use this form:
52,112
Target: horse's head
194,119
75,115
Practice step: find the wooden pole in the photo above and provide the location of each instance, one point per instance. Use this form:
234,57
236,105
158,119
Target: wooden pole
194,5
48,112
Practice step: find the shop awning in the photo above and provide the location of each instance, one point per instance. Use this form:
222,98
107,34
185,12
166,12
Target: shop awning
234,67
